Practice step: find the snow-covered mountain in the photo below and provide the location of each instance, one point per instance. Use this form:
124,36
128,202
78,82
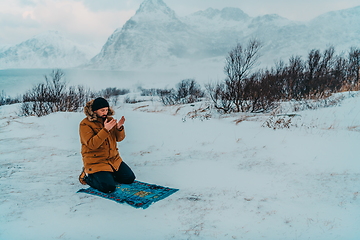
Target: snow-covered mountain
4,47
154,33
341,28
156,36
46,50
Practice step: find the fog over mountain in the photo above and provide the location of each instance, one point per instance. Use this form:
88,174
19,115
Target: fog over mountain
46,50
156,37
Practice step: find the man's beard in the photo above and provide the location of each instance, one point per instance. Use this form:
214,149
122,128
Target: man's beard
102,116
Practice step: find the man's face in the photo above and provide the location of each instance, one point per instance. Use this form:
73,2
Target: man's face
102,112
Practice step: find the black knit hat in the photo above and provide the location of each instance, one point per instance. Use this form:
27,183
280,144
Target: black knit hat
99,103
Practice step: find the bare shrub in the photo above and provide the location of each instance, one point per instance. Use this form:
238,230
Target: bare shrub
354,65
54,96
238,64
316,78
187,91
242,91
202,113
7,100
2,98
292,85
168,97
149,92
220,96
132,100
276,121
111,92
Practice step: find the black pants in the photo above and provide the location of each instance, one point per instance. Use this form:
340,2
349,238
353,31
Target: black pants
106,181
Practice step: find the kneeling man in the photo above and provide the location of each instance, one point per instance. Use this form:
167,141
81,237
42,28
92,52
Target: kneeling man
99,134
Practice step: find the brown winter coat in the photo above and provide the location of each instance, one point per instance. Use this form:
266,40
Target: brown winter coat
98,145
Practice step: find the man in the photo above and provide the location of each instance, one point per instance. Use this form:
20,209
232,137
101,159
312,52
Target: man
99,134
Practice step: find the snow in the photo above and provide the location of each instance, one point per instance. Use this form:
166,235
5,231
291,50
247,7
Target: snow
237,179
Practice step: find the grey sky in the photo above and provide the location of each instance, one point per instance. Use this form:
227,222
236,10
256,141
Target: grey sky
93,21
293,10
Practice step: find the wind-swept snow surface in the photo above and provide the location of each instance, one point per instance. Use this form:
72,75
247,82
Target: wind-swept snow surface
236,181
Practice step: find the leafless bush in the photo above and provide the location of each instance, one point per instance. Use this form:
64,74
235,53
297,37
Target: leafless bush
6,100
132,100
220,96
168,97
242,91
111,92
187,91
354,66
316,78
2,98
54,96
239,63
150,92
202,113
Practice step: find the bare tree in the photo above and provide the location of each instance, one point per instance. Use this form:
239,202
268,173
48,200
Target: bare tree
238,64
56,90
2,98
220,96
339,74
354,65
295,77
313,68
241,60
188,91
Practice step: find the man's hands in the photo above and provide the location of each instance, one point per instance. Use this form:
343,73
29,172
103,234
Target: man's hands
108,125
121,122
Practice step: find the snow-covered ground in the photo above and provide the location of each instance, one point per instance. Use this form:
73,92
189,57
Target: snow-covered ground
238,179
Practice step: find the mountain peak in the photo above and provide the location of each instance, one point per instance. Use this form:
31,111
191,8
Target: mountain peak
348,13
208,13
50,35
154,6
234,14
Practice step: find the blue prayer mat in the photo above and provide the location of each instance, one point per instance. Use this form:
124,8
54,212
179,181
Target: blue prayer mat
138,194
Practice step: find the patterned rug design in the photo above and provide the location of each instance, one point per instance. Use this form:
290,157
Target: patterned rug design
137,194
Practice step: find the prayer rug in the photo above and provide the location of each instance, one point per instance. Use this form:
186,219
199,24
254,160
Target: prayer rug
138,194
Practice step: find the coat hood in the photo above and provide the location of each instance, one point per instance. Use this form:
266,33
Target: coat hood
91,116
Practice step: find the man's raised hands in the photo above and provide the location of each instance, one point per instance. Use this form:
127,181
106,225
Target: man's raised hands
109,125
121,122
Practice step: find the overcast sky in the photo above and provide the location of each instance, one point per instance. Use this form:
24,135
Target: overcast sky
93,21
